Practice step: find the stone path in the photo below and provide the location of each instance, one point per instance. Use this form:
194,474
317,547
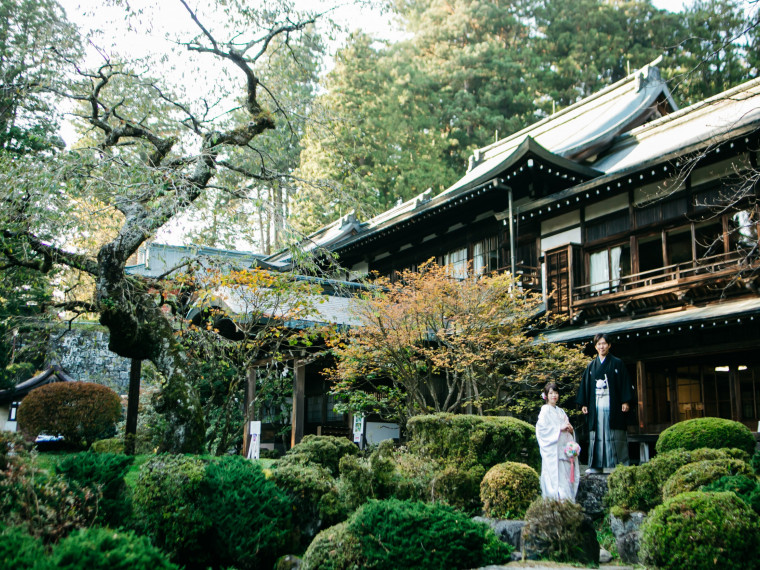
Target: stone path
545,565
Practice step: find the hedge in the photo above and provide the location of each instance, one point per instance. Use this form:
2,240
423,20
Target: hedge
716,433
468,439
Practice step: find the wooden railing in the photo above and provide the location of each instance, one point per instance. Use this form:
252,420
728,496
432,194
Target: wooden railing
671,274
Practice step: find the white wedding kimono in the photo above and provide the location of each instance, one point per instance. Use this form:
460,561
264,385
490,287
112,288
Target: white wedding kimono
555,467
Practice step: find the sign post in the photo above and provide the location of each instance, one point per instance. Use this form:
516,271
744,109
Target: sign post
254,442
359,431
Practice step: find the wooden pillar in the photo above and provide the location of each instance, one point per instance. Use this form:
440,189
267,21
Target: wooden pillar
133,404
299,389
642,392
250,408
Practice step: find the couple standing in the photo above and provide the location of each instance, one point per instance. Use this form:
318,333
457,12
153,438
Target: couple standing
604,396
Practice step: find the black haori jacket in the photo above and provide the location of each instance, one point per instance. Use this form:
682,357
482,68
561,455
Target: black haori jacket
619,383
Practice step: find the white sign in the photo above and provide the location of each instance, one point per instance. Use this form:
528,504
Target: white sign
254,442
358,430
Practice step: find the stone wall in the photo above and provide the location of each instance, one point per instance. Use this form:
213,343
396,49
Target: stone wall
83,353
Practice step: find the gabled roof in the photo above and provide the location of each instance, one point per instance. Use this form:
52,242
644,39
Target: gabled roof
160,259
732,112
53,374
563,140
324,237
585,128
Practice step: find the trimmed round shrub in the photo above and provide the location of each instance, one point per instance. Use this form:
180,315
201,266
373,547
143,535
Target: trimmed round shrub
249,515
81,412
693,476
324,450
717,433
558,530
746,488
508,489
109,445
639,488
701,530
104,549
18,549
169,507
406,534
459,487
314,493
469,440
335,548
104,472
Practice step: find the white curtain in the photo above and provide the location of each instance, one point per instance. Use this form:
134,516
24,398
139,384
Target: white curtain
478,258
599,270
615,254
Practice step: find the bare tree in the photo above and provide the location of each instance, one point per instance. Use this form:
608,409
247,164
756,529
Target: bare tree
137,176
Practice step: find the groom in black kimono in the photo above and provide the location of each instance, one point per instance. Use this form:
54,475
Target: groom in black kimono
604,395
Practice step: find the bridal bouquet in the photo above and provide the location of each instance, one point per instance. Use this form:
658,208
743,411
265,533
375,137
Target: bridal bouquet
572,450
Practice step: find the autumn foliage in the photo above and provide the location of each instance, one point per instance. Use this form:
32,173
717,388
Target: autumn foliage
430,341
79,411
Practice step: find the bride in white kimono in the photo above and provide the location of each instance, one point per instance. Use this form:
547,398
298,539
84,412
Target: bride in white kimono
559,474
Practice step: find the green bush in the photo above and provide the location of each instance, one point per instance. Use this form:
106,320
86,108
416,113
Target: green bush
508,489
110,445
48,506
104,549
746,488
693,476
755,461
104,472
469,440
18,549
169,507
405,534
249,515
81,412
324,450
640,488
335,548
458,486
314,493
701,530
716,433
559,531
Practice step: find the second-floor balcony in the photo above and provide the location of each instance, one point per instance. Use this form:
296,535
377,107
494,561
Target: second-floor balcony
665,287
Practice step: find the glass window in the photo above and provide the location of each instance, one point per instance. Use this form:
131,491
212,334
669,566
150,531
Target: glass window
485,256
679,246
13,411
606,267
709,238
650,253
742,230
689,390
457,262
314,409
332,415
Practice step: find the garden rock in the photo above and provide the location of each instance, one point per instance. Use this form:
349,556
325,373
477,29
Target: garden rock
508,531
627,533
288,562
604,556
591,491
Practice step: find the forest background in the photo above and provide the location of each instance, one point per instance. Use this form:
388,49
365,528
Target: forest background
400,92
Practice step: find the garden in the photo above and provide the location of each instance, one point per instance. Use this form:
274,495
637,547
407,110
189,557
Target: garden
325,504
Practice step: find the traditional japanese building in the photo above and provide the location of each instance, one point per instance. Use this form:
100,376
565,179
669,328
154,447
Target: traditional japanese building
632,217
